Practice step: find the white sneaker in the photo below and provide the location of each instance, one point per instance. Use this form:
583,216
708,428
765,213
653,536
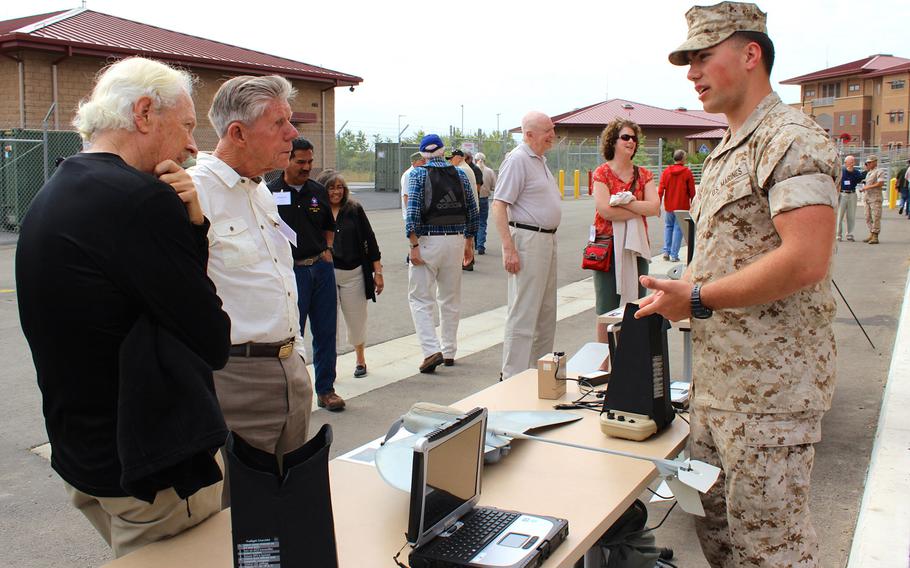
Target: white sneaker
838,238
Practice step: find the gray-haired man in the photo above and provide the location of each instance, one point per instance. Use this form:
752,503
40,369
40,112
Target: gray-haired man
264,390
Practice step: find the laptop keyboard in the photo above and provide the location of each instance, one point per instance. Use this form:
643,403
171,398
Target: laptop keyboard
479,528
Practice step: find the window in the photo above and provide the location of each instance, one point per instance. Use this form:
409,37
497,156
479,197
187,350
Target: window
810,92
896,116
854,88
853,119
841,121
831,90
898,84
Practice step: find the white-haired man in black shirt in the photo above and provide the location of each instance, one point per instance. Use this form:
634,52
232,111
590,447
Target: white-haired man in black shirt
115,238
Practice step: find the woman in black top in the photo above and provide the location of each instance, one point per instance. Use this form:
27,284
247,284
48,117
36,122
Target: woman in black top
358,272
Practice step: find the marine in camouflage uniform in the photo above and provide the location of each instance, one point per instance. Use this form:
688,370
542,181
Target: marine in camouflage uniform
763,369
872,197
762,375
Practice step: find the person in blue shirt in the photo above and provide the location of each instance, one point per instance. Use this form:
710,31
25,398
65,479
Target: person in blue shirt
846,204
441,224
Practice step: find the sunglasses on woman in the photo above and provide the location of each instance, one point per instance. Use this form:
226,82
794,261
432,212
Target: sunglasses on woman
627,137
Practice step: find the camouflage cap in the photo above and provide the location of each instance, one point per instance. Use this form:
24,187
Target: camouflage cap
871,158
710,25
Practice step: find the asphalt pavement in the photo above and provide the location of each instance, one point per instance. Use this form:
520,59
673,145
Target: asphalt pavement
47,531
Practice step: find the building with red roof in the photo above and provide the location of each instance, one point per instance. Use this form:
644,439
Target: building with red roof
865,102
54,58
677,124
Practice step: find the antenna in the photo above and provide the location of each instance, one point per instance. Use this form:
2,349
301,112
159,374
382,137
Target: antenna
83,4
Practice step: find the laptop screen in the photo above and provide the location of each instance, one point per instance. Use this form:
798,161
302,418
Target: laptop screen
446,475
452,473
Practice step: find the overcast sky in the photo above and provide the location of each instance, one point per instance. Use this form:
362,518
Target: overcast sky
511,56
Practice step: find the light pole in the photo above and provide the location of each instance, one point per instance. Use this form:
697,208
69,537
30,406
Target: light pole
462,120
398,150
497,122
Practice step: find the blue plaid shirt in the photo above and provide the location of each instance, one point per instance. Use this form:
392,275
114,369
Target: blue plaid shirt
414,220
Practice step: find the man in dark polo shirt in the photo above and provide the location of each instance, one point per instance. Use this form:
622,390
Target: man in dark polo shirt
304,205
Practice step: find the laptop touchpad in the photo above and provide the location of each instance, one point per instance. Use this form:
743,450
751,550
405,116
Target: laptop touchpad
514,540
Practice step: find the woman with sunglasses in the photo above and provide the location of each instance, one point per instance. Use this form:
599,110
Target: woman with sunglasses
619,144
358,272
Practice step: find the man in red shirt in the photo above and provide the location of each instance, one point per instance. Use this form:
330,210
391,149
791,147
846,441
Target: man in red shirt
676,190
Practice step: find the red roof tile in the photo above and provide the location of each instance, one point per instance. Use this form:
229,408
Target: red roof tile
867,65
82,31
10,25
902,68
600,114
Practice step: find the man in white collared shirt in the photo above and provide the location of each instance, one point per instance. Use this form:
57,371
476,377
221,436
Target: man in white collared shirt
264,390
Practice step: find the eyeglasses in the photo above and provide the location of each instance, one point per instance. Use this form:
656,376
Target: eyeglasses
627,137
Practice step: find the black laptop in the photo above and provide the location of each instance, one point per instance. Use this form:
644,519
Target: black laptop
447,529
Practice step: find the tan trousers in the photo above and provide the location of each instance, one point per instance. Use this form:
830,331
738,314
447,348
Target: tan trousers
436,284
757,513
266,400
873,210
531,320
352,303
127,523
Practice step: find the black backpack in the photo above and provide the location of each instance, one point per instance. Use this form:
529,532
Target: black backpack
444,201
628,544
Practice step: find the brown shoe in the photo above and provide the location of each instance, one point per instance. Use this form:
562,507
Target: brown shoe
867,239
330,401
449,362
873,239
430,363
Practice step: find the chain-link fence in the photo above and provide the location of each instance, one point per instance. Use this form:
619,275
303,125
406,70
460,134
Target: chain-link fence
28,159
383,164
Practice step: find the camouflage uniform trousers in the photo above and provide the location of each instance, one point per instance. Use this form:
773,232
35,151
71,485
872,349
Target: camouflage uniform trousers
873,200
757,514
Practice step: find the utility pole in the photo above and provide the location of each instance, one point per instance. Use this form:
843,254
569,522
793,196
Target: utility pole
462,120
497,121
398,150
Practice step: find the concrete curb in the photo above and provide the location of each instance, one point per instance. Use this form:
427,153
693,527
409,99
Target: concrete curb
882,536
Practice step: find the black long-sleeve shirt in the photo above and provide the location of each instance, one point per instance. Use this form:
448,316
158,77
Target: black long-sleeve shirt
355,241
101,244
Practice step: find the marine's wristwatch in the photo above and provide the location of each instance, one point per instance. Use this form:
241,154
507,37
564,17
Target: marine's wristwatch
699,310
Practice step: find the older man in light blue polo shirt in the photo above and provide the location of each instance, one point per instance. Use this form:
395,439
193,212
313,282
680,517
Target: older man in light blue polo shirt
526,212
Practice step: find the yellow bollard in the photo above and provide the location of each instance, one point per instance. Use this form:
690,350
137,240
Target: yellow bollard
892,195
577,184
562,184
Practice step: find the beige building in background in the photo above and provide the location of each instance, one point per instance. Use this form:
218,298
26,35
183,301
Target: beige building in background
53,58
864,102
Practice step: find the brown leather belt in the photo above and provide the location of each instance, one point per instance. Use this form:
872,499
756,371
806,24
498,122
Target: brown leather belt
280,350
308,261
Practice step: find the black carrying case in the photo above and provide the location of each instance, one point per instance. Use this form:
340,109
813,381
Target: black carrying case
282,520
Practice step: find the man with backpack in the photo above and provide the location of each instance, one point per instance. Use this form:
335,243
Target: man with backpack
440,224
